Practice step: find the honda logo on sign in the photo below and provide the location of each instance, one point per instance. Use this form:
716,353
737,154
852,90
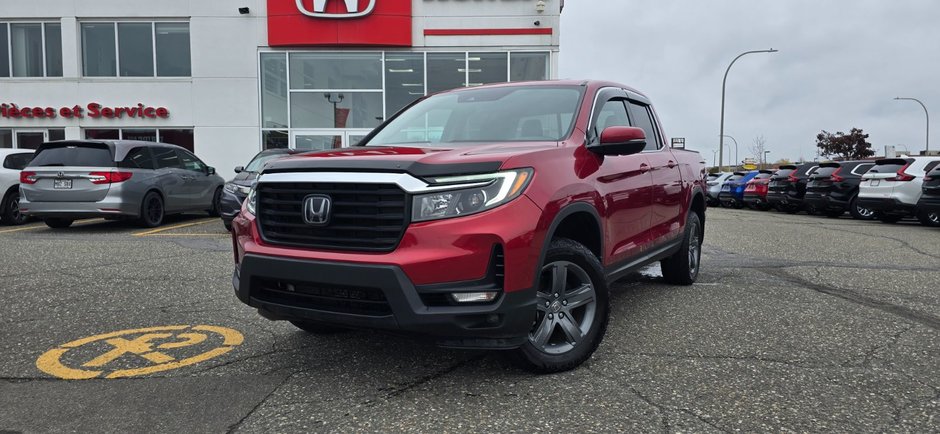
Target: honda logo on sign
317,209
319,9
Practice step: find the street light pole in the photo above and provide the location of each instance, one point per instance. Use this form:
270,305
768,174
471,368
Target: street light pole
721,140
927,141
736,157
765,158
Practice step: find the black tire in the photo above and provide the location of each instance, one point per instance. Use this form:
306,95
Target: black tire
682,267
216,207
317,328
152,211
931,219
10,209
549,347
227,224
858,212
57,223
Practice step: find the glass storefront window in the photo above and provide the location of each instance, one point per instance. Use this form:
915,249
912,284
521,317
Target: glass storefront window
336,71
98,55
404,80
274,140
335,109
446,71
179,137
316,142
147,135
56,134
135,48
274,90
528,66
484,68
102,134
53,50
4,52
6,138
26,44
173,52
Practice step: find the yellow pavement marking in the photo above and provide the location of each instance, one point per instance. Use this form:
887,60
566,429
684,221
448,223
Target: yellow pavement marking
143,343
177,226
42,225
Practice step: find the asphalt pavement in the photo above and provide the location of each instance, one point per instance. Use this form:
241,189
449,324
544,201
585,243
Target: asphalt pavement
797,323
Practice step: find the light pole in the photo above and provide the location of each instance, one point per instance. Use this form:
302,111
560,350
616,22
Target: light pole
721,140
927,140
713,158
765,158
736,157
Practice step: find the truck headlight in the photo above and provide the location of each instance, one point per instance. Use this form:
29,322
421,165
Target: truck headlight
251,202
499,188
235,188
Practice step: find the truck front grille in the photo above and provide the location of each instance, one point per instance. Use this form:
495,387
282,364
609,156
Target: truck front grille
364,217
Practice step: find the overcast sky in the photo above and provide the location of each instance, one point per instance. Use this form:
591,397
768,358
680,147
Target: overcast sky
841,63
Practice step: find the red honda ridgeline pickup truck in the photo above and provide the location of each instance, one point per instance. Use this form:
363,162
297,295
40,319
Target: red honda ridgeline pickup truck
491,217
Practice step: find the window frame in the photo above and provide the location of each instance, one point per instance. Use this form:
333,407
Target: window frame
45,57
117,49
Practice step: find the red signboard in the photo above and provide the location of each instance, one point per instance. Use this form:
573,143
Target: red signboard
339,22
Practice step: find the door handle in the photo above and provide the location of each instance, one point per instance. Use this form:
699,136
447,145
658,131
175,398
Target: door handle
671,164
644,168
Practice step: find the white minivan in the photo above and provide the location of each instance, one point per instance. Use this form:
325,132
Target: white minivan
893,186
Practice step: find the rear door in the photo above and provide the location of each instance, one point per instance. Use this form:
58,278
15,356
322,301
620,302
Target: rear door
66,172
197,182
170,174
666,193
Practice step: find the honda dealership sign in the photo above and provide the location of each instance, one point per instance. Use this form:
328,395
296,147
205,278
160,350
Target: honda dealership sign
339,22
319,9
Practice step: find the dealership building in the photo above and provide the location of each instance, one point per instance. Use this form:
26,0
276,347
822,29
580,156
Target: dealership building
227,79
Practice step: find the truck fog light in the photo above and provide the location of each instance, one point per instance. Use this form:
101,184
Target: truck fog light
474,297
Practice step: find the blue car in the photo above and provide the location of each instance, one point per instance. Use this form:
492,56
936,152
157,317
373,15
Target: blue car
732,191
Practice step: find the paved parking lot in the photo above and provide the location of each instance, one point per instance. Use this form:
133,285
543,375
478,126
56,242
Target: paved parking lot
797,323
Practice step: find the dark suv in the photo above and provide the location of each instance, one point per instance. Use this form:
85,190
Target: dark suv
928,207
833,189
788,186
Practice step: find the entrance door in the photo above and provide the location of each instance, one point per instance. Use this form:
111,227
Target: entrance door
315,140
30,139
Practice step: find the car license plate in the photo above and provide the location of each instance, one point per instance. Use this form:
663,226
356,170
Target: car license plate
62,184
875,182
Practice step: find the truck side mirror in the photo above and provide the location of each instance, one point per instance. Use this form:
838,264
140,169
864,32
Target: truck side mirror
620,141
239,169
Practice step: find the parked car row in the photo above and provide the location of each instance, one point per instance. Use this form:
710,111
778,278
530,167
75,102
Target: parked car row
115,179
888,189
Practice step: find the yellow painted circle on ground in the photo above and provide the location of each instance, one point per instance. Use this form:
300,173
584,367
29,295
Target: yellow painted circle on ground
157,348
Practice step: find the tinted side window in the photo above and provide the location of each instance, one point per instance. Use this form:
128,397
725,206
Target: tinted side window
783,173
166,158
823,172
17,161
861,169
613,114
642,118
138,158
931,166
190,162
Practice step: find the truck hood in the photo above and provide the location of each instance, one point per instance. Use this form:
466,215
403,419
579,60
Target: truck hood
468,158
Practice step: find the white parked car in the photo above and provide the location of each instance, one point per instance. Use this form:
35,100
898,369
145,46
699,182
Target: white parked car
893,186
714,182
14,160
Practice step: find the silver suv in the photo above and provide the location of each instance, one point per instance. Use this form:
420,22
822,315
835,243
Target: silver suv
68,180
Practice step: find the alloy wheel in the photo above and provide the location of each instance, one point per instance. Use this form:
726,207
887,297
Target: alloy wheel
567,304
934,218
15,214
864,212
695,249
154,209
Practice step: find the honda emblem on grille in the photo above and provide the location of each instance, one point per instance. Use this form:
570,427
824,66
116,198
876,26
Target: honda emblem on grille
317,209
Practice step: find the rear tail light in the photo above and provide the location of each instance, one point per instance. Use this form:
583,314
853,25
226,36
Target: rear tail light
901,176
835,176
928,178
112,177
28,177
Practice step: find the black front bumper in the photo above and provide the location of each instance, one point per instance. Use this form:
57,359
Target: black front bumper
230,204
377,296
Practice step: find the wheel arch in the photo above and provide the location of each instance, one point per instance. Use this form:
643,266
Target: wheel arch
565,224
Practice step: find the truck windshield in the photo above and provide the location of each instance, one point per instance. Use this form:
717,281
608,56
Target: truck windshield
500,114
